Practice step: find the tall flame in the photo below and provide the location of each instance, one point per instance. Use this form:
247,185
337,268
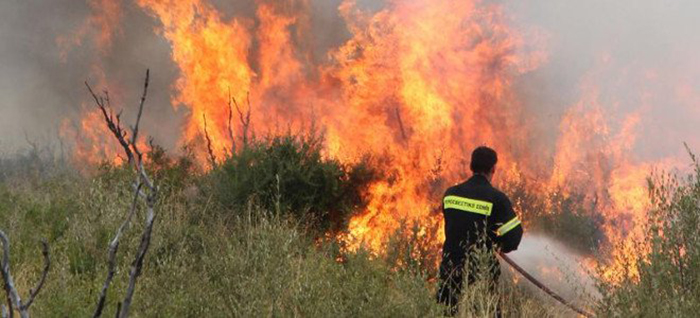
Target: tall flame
419,83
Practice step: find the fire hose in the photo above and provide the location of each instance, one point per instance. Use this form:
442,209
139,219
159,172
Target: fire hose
543,287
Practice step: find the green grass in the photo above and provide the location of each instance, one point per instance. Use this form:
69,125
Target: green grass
206,259
213,259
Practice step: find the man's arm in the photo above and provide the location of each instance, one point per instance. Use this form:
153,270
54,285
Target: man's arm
507,226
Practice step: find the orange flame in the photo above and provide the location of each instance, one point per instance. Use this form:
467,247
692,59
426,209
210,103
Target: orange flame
419,83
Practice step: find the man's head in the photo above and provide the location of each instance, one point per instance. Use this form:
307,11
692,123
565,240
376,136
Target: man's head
484,161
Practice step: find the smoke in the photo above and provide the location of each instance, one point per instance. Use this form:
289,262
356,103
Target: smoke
48,51
554,265
630,57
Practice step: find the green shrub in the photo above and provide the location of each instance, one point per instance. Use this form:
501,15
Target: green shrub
668,284
288,174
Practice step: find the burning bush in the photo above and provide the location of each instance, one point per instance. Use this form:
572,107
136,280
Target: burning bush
667,283
288,174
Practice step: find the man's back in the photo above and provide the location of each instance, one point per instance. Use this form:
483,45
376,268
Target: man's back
474,211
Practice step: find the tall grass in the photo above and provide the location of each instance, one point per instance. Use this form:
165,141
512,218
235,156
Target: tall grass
254,264
209,259
668,262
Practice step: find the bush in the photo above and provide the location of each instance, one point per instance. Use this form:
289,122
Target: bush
668,260
288,174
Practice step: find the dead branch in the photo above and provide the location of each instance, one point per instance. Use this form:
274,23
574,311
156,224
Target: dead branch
230,125
403,131
3,311
135,128
137,265
144,188
113,248
13,298
244,118
210,150
47,265
113,122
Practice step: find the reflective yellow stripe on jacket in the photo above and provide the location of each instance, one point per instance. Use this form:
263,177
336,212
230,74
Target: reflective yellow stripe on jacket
505,228
468,205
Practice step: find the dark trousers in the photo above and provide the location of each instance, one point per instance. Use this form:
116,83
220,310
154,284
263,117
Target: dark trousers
452,272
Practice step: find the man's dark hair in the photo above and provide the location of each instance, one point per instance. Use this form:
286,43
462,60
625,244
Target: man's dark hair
483,160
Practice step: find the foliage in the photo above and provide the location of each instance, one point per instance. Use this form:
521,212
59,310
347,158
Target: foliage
288,174
256,264
668,260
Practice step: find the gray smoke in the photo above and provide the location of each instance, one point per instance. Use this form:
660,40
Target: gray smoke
554,265
38,90
640,55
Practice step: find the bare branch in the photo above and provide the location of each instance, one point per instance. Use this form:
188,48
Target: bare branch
210,150
119,310
144,188
135,128
137,265
403,131
35,148
244,118
113,248
3,312
14,300
113,123
8,299
230,126
47,265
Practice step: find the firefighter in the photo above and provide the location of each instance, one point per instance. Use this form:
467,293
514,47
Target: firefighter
477,217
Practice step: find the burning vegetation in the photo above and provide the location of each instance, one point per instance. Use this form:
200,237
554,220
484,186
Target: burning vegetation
343,152
416,102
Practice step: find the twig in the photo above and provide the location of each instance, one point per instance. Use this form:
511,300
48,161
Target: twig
210,150
113,248
230,126
137,265
403,131
13,298
47,265
119,310
135,128
113,123
245,119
